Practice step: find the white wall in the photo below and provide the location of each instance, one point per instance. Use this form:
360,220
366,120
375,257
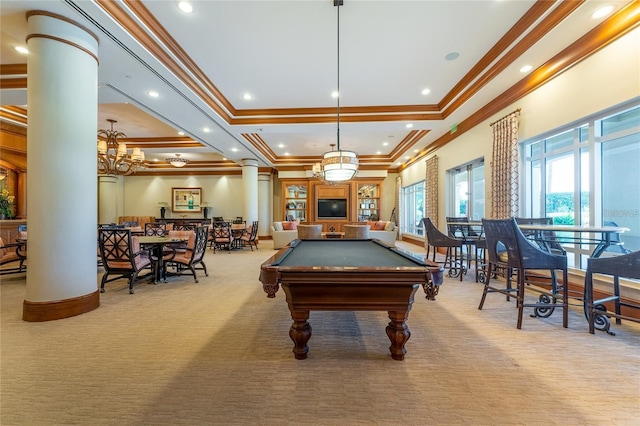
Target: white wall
142,194
601,81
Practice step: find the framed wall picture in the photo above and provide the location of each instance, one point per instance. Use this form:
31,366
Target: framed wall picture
186,200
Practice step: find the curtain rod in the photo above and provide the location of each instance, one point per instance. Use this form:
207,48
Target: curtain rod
514,112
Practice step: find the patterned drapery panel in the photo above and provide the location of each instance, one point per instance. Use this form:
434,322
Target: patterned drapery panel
398,206
505,200
431,190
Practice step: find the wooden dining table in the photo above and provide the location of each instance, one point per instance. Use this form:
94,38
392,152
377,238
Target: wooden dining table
157,245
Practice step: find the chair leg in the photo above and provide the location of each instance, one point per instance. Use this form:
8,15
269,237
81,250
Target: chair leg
520,300
487,281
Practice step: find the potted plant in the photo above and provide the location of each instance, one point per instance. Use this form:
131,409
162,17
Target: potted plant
6,204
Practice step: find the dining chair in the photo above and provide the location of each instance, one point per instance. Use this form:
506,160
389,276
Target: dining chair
222,236
309,232
122,256
13,257
356,232
617,246
251,236
509,249
435,240
193,254
616,267
471,236
155,229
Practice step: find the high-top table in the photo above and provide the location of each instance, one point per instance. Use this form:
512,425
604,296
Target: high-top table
599,236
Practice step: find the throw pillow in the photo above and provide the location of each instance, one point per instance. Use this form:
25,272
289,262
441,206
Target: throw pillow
372,225
389,226
380,225
290,226
277,226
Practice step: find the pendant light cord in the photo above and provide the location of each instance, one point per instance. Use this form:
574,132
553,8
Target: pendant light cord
338,110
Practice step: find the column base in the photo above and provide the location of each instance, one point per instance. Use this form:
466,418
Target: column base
59,309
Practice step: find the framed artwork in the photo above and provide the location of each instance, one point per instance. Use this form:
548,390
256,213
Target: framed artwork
186,200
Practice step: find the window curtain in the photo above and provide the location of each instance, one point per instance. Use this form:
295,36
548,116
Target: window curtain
431,190
505,188
398,207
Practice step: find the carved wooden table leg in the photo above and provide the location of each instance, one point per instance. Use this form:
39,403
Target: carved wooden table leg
271,289
398,333
300,333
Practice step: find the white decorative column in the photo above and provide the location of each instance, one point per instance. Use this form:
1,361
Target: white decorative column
265,203
107,198
250,189
62,193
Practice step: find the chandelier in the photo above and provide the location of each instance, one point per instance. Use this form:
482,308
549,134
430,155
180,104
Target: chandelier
338,165
113,158
177,161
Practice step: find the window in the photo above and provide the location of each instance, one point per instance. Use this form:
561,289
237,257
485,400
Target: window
413,209
466,190
587,174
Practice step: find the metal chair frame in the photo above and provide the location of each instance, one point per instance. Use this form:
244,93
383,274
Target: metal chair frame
623,266
521,255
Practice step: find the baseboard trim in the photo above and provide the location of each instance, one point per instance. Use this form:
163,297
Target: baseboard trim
59,309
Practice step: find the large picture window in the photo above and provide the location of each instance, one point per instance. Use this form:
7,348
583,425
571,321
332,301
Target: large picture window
587,174
466,190
413,209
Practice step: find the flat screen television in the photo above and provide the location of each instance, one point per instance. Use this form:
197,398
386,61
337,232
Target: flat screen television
332,208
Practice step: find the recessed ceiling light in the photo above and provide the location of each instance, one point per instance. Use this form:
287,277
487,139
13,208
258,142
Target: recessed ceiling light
281,145
247,96
185,6
286,153
181,133
22,49
425,91
526,68
224,158
406,157
416,150
206,129
409,125
153,94
452,56
602,12
378,152
385,143
334,94
234,149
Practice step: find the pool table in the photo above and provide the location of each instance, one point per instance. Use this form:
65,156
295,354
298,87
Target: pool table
348,275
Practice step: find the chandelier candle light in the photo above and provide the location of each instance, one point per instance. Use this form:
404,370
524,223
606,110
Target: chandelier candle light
112,155
338,165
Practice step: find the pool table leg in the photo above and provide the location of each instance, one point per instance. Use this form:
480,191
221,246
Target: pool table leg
300,333
398,333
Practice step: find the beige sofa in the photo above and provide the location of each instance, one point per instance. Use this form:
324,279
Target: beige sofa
388,235
282,237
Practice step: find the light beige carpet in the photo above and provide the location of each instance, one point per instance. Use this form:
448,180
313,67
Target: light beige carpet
218,352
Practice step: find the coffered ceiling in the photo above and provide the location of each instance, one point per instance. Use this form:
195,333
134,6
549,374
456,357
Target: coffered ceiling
468,56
